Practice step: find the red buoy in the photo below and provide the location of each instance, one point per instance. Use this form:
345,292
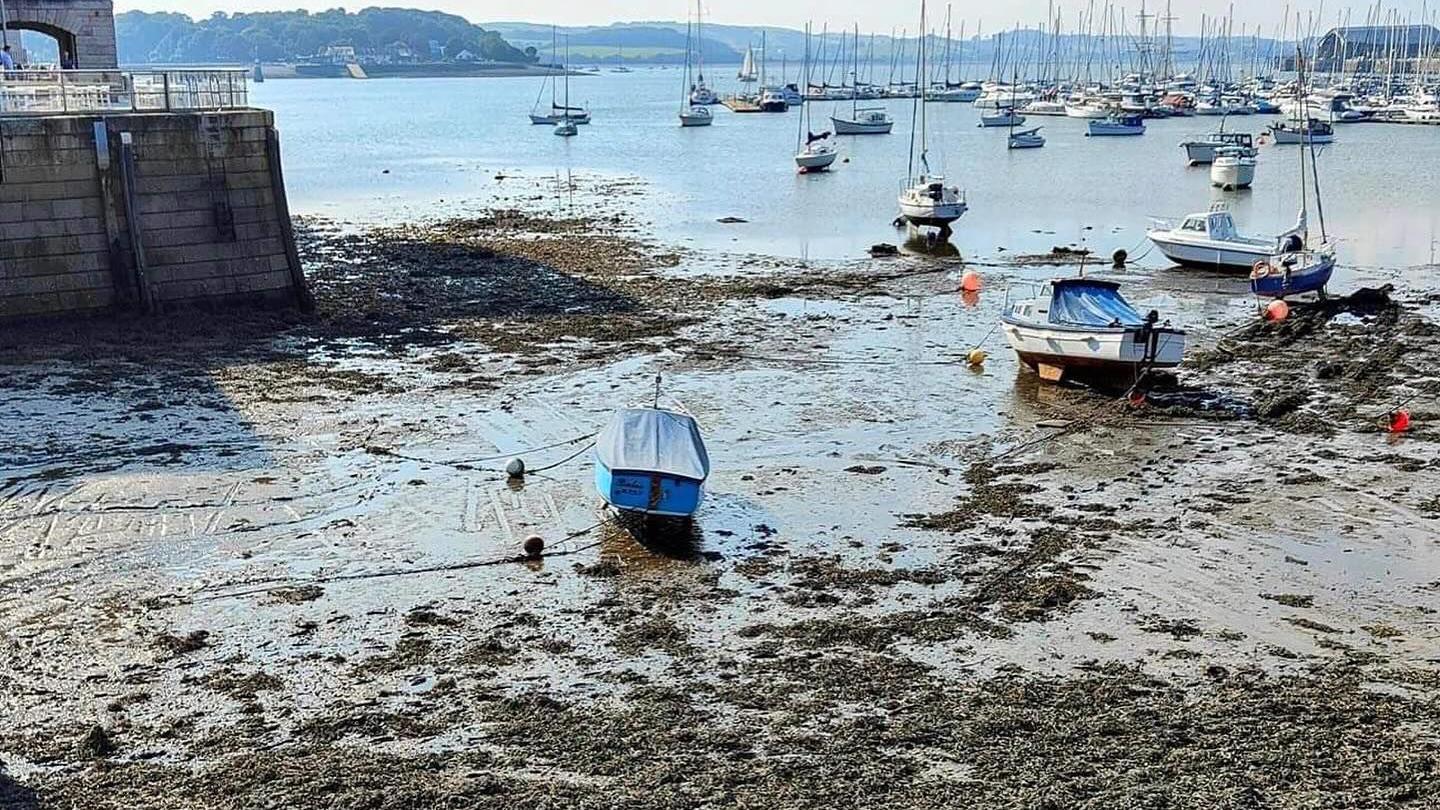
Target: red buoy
970,282
1399,421
1277,310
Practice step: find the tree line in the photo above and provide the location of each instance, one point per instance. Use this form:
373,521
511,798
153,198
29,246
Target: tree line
157,38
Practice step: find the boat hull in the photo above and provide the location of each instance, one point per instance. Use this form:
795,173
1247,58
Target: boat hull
1234,258
649,493
939,215
1232,176
692,120
1101,130
551,120
817,162
1118,353
1310,279
846,127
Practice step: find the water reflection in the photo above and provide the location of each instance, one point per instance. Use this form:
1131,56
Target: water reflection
929,243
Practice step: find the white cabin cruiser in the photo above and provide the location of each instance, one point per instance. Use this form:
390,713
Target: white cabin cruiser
864,121
1083,327
1232,169
1203,151
1211,241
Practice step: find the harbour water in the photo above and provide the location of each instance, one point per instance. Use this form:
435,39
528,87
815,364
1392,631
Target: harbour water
394,150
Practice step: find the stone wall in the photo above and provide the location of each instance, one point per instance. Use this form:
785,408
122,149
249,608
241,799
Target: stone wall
86,25
143,212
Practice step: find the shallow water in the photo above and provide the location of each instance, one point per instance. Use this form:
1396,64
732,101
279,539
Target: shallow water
395,149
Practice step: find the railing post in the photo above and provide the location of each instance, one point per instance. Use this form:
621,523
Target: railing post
64,95
165,84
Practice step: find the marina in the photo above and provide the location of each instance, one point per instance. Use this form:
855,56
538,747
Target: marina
807,432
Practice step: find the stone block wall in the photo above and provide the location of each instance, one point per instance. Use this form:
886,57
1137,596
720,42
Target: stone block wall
148,212
87,26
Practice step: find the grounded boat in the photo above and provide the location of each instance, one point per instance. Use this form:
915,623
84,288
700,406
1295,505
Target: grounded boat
652,462
1232,169
1210,241
1299,267
1203,151
926,200
1027,139
1085,328
1117,125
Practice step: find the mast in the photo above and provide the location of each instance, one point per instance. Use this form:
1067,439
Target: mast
917,108
699,46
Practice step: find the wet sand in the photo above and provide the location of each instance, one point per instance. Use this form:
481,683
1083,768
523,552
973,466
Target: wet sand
257,559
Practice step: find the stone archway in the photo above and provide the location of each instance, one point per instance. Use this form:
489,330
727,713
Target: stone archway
84,28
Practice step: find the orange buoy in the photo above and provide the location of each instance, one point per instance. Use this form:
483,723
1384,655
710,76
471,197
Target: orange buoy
1277,310
970,298
976,357
970,282
1399,421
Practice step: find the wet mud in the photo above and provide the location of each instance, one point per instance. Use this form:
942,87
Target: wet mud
263,559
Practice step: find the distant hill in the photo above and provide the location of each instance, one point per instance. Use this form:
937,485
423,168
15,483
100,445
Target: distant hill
662,43
375,34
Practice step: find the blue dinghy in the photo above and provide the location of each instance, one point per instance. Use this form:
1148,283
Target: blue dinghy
653,462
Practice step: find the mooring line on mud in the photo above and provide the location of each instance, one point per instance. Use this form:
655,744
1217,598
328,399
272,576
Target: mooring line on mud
265,585
468,464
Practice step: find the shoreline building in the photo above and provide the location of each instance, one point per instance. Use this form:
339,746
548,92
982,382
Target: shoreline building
134,190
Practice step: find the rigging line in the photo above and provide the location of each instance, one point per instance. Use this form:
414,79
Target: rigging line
265,585
385,451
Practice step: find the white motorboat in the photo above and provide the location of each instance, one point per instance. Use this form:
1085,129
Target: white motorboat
702,96
1027,139
1084,328
1422,114
1313,131
964,94
566,128
1117,125
864,121
1004,118
1211,241
1090,110
926,201
1202,152
1045,107
1232,169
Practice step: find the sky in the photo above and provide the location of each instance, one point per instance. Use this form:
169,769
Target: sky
991,15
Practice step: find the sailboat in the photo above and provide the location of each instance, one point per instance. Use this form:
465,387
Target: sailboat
557,112
700,95
692,114
862,120
926,200
565,127
813,153
1299,267
748,74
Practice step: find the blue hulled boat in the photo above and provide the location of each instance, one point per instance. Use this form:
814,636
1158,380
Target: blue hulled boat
653,462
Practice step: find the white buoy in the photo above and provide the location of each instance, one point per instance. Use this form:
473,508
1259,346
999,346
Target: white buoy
515,468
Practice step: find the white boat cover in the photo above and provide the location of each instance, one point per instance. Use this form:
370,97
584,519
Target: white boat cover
651,440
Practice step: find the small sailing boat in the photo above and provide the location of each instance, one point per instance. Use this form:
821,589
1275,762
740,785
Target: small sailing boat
1027,139
1004,117
1232,169
692,114
862,120
926,200
651,461
700,95
1082,327
813,153
1299,267
565,127
1202,152
558,113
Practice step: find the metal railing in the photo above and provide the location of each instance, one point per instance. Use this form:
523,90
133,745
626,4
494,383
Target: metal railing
52,92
